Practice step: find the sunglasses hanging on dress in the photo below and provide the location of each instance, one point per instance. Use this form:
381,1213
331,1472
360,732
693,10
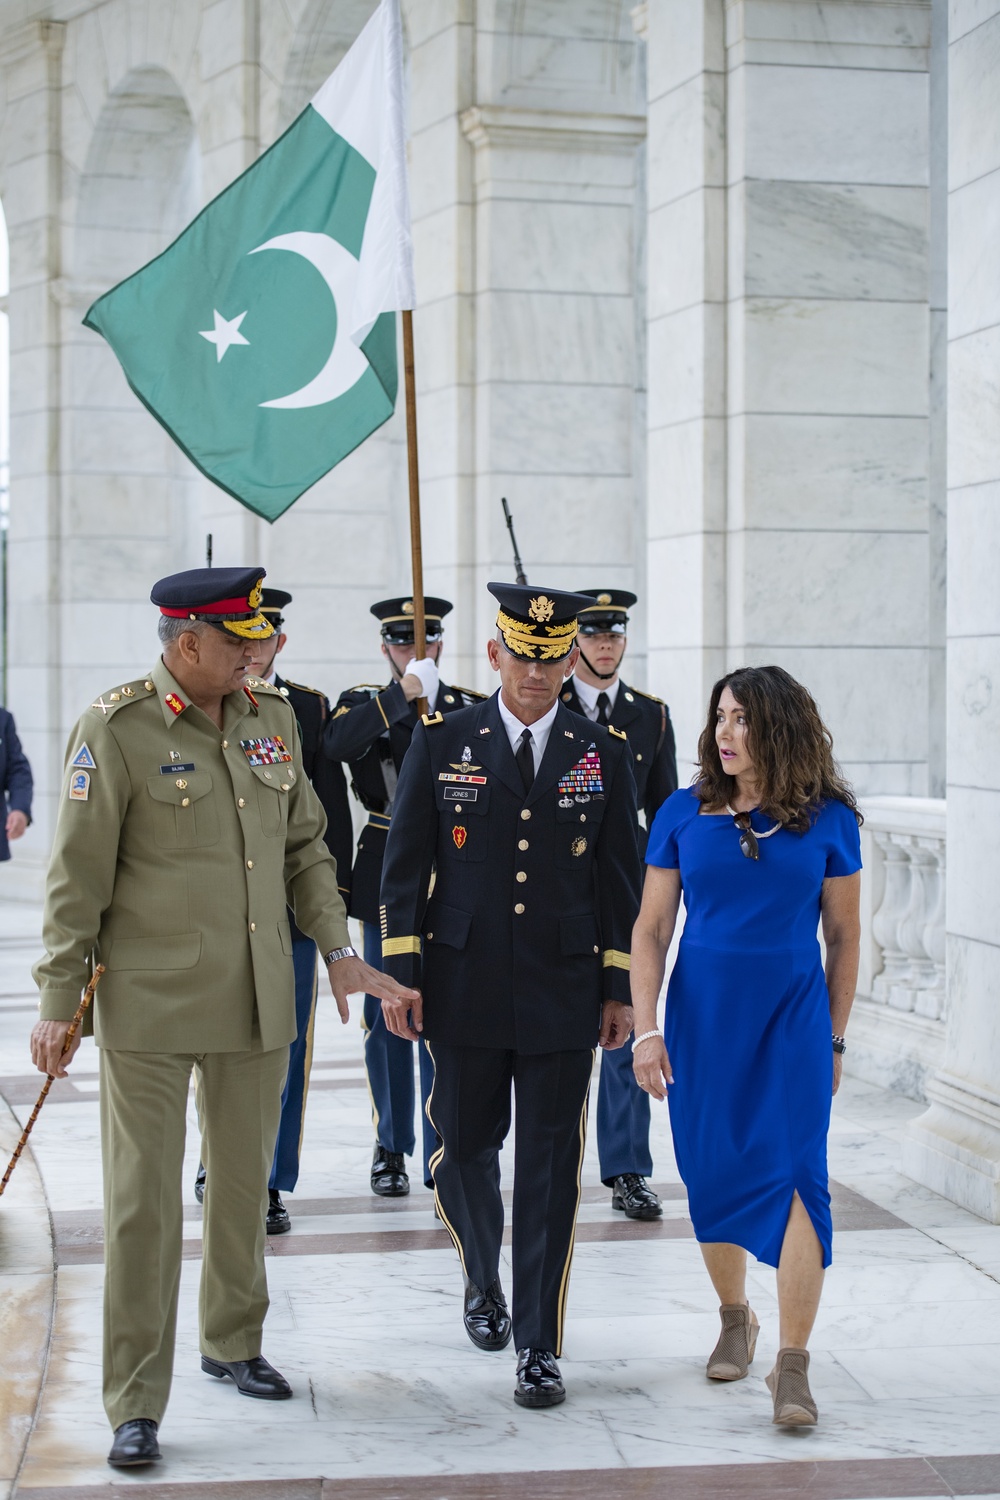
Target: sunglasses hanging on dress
748,838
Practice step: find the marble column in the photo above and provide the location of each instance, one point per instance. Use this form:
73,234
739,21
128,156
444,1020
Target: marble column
955,1147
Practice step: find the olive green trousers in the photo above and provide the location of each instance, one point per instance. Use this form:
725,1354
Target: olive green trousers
143,1116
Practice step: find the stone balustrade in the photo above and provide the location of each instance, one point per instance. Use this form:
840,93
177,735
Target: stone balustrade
897,1029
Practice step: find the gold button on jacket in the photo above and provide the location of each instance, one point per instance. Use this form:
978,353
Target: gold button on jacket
152,872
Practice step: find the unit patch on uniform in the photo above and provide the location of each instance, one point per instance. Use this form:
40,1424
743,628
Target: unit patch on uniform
79,786
459,835
268,751
578,847
84,759
583,780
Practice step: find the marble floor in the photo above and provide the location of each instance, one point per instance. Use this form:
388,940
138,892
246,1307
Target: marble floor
392,1400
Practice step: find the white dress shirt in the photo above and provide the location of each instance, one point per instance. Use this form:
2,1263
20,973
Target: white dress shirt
539,730
588,696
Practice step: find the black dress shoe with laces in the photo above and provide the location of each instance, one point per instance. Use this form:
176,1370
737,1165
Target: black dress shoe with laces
253,1377
487,1321
199,1182
277,1221
633,1194
135,1443
539,1382
389,1177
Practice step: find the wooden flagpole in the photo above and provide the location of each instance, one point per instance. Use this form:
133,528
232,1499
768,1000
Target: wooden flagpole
416,545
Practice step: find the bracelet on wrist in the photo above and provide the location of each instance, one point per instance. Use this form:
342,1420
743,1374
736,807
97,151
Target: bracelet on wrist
645,1037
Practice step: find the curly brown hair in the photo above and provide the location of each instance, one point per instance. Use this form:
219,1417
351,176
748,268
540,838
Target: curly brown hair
790,746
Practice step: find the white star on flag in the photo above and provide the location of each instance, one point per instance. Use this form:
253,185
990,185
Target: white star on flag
225,333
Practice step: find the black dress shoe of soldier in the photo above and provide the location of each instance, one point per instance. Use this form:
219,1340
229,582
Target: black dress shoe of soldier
633,1194
487,1321
539,1382
135,1443
199,1182
277,1220
389,1177
254,1377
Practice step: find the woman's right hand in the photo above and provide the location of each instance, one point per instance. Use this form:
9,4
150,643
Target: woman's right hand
651,1067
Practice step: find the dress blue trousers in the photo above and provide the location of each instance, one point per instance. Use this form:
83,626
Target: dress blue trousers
622,1118
285,1171
389,1065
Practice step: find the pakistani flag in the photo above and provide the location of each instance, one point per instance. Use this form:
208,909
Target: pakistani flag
264,338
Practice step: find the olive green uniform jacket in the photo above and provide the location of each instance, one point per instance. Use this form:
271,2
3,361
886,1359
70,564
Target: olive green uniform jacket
173,862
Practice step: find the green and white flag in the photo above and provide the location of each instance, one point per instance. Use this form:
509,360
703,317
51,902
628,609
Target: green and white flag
264,338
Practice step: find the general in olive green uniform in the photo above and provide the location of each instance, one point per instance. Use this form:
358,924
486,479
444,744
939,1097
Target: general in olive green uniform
176,850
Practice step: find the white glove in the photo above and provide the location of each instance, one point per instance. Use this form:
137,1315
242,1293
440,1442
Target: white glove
427,671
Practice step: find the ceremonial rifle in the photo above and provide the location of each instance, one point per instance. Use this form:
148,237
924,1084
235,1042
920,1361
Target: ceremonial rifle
88,995
520,575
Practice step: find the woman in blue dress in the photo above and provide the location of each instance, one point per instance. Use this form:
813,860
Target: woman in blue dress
764,848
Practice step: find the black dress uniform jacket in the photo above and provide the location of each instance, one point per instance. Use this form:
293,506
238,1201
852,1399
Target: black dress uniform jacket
312,714
645,721
15,777
370,728
528,927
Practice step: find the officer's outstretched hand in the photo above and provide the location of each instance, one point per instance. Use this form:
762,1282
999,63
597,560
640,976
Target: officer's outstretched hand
48,1047
404,1015
349,976
616,1025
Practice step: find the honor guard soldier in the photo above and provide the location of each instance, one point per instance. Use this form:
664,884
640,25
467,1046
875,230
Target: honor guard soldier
370,729
312,712
597,692
187,825
527,816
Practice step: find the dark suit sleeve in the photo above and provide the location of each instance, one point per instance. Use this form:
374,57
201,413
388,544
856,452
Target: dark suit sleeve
409,856
358,720
619,879
662,780
331,789
19,785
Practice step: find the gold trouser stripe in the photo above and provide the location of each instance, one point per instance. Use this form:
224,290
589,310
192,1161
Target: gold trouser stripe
392,947
307,1065
613,959
435,1161
564,1284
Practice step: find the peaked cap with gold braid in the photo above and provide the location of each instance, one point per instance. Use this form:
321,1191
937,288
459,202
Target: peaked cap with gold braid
537,624
229,598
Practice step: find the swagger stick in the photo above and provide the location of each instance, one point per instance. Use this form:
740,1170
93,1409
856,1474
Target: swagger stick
88,995
416,546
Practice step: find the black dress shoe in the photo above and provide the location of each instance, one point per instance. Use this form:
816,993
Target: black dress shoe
633,1194
487,1321
135,1443
389,1177
199,1182
539,1382
277,1220
254,1377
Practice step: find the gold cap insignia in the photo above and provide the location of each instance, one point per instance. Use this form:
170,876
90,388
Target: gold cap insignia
604,598
407,607
541,609
256,595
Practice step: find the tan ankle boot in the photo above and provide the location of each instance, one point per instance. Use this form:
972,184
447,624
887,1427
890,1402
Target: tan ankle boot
733,1354
788,1383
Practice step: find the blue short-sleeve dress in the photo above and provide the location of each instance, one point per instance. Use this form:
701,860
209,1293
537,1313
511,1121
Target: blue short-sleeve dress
747,1021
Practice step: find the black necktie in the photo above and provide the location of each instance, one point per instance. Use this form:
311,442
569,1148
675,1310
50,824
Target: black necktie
603,708
526,760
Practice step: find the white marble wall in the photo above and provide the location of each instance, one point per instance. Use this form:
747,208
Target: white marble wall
788,463
955,1147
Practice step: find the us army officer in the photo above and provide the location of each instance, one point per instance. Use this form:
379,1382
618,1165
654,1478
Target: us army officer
597,692
528,816
186,824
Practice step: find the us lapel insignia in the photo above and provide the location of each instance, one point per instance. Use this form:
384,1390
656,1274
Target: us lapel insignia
79,786
83,760
485,729
459,834
578,847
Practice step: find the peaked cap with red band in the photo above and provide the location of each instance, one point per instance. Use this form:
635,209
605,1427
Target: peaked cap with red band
229,598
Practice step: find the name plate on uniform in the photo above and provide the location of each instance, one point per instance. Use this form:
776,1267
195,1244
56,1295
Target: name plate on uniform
461,793
455,776
176,766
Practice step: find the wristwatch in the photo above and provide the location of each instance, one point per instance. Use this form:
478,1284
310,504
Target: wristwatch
839,1045
336,953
